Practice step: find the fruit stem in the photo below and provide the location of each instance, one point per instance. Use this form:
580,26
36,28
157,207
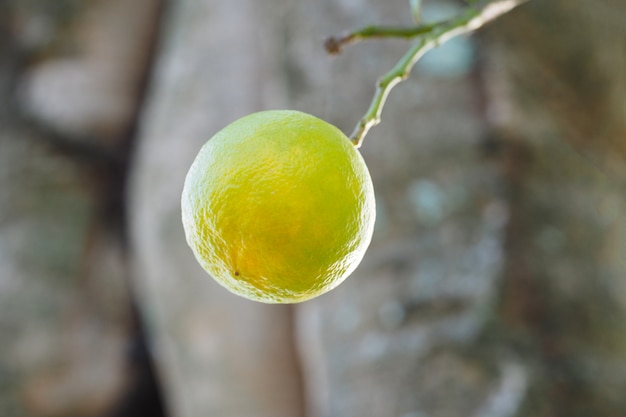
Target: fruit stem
429,36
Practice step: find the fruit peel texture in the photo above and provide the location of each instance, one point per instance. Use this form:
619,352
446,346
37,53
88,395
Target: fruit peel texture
278,207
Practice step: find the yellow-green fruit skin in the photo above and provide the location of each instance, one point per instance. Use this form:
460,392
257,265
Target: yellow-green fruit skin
278,207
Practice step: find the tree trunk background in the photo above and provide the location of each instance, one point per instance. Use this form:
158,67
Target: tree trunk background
495,285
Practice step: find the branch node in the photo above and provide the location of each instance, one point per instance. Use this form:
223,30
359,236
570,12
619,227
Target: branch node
429,36
332,45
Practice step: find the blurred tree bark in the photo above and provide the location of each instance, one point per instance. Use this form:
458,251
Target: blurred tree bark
556,103
70,77
221,355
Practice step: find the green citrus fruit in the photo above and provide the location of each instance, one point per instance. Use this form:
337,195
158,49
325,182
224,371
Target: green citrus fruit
278,207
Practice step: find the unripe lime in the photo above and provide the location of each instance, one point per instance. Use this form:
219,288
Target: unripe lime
278,207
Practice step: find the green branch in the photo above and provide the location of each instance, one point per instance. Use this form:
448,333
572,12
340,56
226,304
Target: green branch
334,45
430,36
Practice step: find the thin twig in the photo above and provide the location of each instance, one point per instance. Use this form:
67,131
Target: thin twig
334,45
430,36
